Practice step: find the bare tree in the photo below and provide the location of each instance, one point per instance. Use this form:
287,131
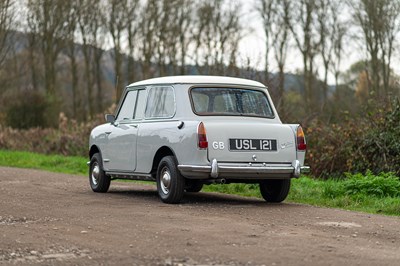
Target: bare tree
97,36
217,36
327,16
87,19
7,18
149,24
339,32
275,16
33,47
117,23
173,35
183,12
266,10
302,25
132,10
364,12
379,22
387,40
163,35
281,38
71,51
48,17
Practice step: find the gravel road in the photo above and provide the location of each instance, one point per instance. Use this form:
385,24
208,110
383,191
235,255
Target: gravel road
53,219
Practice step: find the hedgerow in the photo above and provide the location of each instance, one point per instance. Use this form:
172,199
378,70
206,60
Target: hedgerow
371,142
70,138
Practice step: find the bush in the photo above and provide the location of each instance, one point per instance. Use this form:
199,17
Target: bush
382,185
357,144
331,148
26,109
70,138
379,147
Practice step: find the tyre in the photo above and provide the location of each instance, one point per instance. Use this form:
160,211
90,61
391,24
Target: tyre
170,182
193,186
99,181
275,190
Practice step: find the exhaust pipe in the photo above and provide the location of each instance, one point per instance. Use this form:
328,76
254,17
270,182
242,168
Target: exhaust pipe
215,181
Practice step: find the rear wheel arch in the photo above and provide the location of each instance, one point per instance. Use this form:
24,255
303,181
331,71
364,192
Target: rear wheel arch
161,153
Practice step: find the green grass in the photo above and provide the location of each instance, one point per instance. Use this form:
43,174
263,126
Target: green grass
53,163
374,194
367,193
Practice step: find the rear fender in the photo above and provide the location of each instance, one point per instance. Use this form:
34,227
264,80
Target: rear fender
300,155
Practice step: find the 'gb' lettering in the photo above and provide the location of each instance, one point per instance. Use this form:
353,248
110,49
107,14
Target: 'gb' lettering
218,145
221,146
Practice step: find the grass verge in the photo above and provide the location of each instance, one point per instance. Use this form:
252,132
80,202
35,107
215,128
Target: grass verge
366,193
53,163
369,193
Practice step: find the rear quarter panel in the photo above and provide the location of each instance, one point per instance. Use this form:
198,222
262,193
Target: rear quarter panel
183,142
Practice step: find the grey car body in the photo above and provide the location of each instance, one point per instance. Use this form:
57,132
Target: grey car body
167,117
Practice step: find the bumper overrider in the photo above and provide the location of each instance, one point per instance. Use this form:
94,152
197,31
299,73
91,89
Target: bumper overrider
243,170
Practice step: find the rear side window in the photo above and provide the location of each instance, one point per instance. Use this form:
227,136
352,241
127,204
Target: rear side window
231,102
160,103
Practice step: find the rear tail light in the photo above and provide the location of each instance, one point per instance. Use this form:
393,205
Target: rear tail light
301,140
202,136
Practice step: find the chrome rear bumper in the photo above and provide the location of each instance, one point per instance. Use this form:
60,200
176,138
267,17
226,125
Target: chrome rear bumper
243,171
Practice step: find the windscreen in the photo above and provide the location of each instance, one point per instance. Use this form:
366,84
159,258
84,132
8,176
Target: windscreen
231,102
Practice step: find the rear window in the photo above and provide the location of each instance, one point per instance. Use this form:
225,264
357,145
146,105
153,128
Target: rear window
230,101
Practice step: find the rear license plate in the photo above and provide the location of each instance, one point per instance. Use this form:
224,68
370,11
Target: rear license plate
252,145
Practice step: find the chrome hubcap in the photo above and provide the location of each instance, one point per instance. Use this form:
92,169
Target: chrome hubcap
95,174
165,180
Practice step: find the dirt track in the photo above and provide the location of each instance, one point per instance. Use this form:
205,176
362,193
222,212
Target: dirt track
48,218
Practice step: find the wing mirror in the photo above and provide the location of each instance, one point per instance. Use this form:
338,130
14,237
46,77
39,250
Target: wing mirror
110,118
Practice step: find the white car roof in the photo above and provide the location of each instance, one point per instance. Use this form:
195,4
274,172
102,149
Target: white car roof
198,79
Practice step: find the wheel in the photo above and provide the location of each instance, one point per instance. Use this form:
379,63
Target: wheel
193,186
275,190
170,182
99,181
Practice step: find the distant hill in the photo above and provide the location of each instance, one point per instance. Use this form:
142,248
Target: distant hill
19,42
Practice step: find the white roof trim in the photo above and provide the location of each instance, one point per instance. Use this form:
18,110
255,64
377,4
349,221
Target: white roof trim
198,79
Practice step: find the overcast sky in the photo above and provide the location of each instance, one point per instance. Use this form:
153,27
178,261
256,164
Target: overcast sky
253,46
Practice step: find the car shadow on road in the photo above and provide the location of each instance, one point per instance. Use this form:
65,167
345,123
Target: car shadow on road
149,193
226,199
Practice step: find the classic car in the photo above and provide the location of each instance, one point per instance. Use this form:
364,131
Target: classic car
184,132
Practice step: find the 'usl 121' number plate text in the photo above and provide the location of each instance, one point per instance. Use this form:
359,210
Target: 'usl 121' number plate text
252,144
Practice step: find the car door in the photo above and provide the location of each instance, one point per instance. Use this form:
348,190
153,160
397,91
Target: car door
122,138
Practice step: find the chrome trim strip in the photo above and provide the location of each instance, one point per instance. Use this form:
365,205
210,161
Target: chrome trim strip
126,173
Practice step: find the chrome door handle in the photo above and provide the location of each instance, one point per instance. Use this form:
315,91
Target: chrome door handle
135,126
108,132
